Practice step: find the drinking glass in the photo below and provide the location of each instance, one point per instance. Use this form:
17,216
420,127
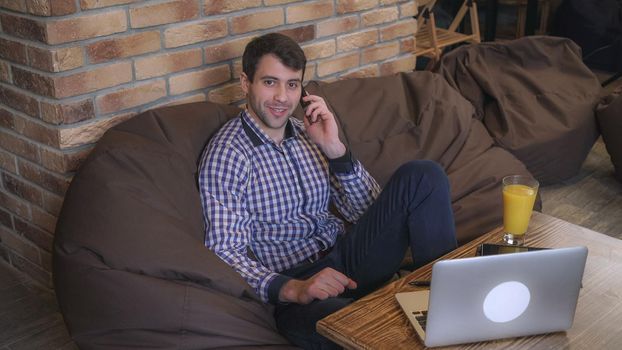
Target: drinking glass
519,195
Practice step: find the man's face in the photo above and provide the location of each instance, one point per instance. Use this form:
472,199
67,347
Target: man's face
273,95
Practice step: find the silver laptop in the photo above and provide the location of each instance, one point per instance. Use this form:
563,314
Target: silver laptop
497,296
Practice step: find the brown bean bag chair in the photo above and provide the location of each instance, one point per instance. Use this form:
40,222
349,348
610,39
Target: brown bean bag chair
130,267
609,114
535,97
387,121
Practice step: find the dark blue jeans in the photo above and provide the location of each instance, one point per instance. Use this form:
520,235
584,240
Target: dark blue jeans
413,210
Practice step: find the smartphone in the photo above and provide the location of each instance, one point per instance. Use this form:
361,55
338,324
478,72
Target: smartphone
304,104
492,249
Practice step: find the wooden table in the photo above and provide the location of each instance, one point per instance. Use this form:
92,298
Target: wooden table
377,321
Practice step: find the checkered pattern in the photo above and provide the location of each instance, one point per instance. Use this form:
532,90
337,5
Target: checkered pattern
274,199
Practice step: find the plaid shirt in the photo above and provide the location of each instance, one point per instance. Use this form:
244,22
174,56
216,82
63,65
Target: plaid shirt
274,199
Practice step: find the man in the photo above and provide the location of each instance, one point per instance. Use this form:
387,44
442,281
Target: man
267,181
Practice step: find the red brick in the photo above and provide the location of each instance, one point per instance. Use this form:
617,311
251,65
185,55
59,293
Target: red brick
310,71
346,6
227,94
7,119
162,13
55,60
67,112
408,9
337,26
93,80
64,162
95,4
31,269
337,64
278,2
19,245
398,29
36,131
46,260
237,68
5,219
300,34
216,7
14,204
33,81
19,100
43,219
51,7
227,50
13,51
158,65
407,45
49,181
357,40
66,59
22,189
8,162
52,203
86,27
18,146
320,49
41,238
5,72
377,16
257,20
380,52
124,46
91,132
4,254
19,6
195,32
401,64
310,11
181,83
180,100
23,27
136,95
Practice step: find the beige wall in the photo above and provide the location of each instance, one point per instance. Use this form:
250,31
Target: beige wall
71,69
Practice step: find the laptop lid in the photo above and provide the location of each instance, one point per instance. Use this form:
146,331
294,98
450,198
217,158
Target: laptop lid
503,296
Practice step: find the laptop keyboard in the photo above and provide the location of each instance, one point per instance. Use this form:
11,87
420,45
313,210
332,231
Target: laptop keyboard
421,317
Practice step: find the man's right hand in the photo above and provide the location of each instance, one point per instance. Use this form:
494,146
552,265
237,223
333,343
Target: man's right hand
323,285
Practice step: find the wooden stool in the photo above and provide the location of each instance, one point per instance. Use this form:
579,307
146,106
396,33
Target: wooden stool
522,15
430,40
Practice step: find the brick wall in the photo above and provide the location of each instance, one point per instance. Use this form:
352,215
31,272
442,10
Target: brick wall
71,69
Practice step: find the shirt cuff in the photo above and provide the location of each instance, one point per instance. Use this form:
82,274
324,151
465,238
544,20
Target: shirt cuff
343,164
275,287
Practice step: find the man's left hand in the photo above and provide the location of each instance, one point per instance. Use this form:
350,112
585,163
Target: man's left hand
322,128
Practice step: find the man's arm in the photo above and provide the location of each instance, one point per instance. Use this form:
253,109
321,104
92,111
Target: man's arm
223,179
352,187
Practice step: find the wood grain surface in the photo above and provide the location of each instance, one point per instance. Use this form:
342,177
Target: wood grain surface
377,321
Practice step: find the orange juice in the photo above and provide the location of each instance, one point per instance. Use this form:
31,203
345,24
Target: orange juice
518,203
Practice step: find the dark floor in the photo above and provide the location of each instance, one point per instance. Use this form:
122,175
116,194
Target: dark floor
593,197
29,316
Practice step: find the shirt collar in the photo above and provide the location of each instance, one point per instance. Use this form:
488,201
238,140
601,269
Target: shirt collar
258,136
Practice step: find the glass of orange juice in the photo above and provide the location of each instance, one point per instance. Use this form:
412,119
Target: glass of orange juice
519,195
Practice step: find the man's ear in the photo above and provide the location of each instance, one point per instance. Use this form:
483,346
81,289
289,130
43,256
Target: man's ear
244,82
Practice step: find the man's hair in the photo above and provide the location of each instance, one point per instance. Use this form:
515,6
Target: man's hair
283,47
